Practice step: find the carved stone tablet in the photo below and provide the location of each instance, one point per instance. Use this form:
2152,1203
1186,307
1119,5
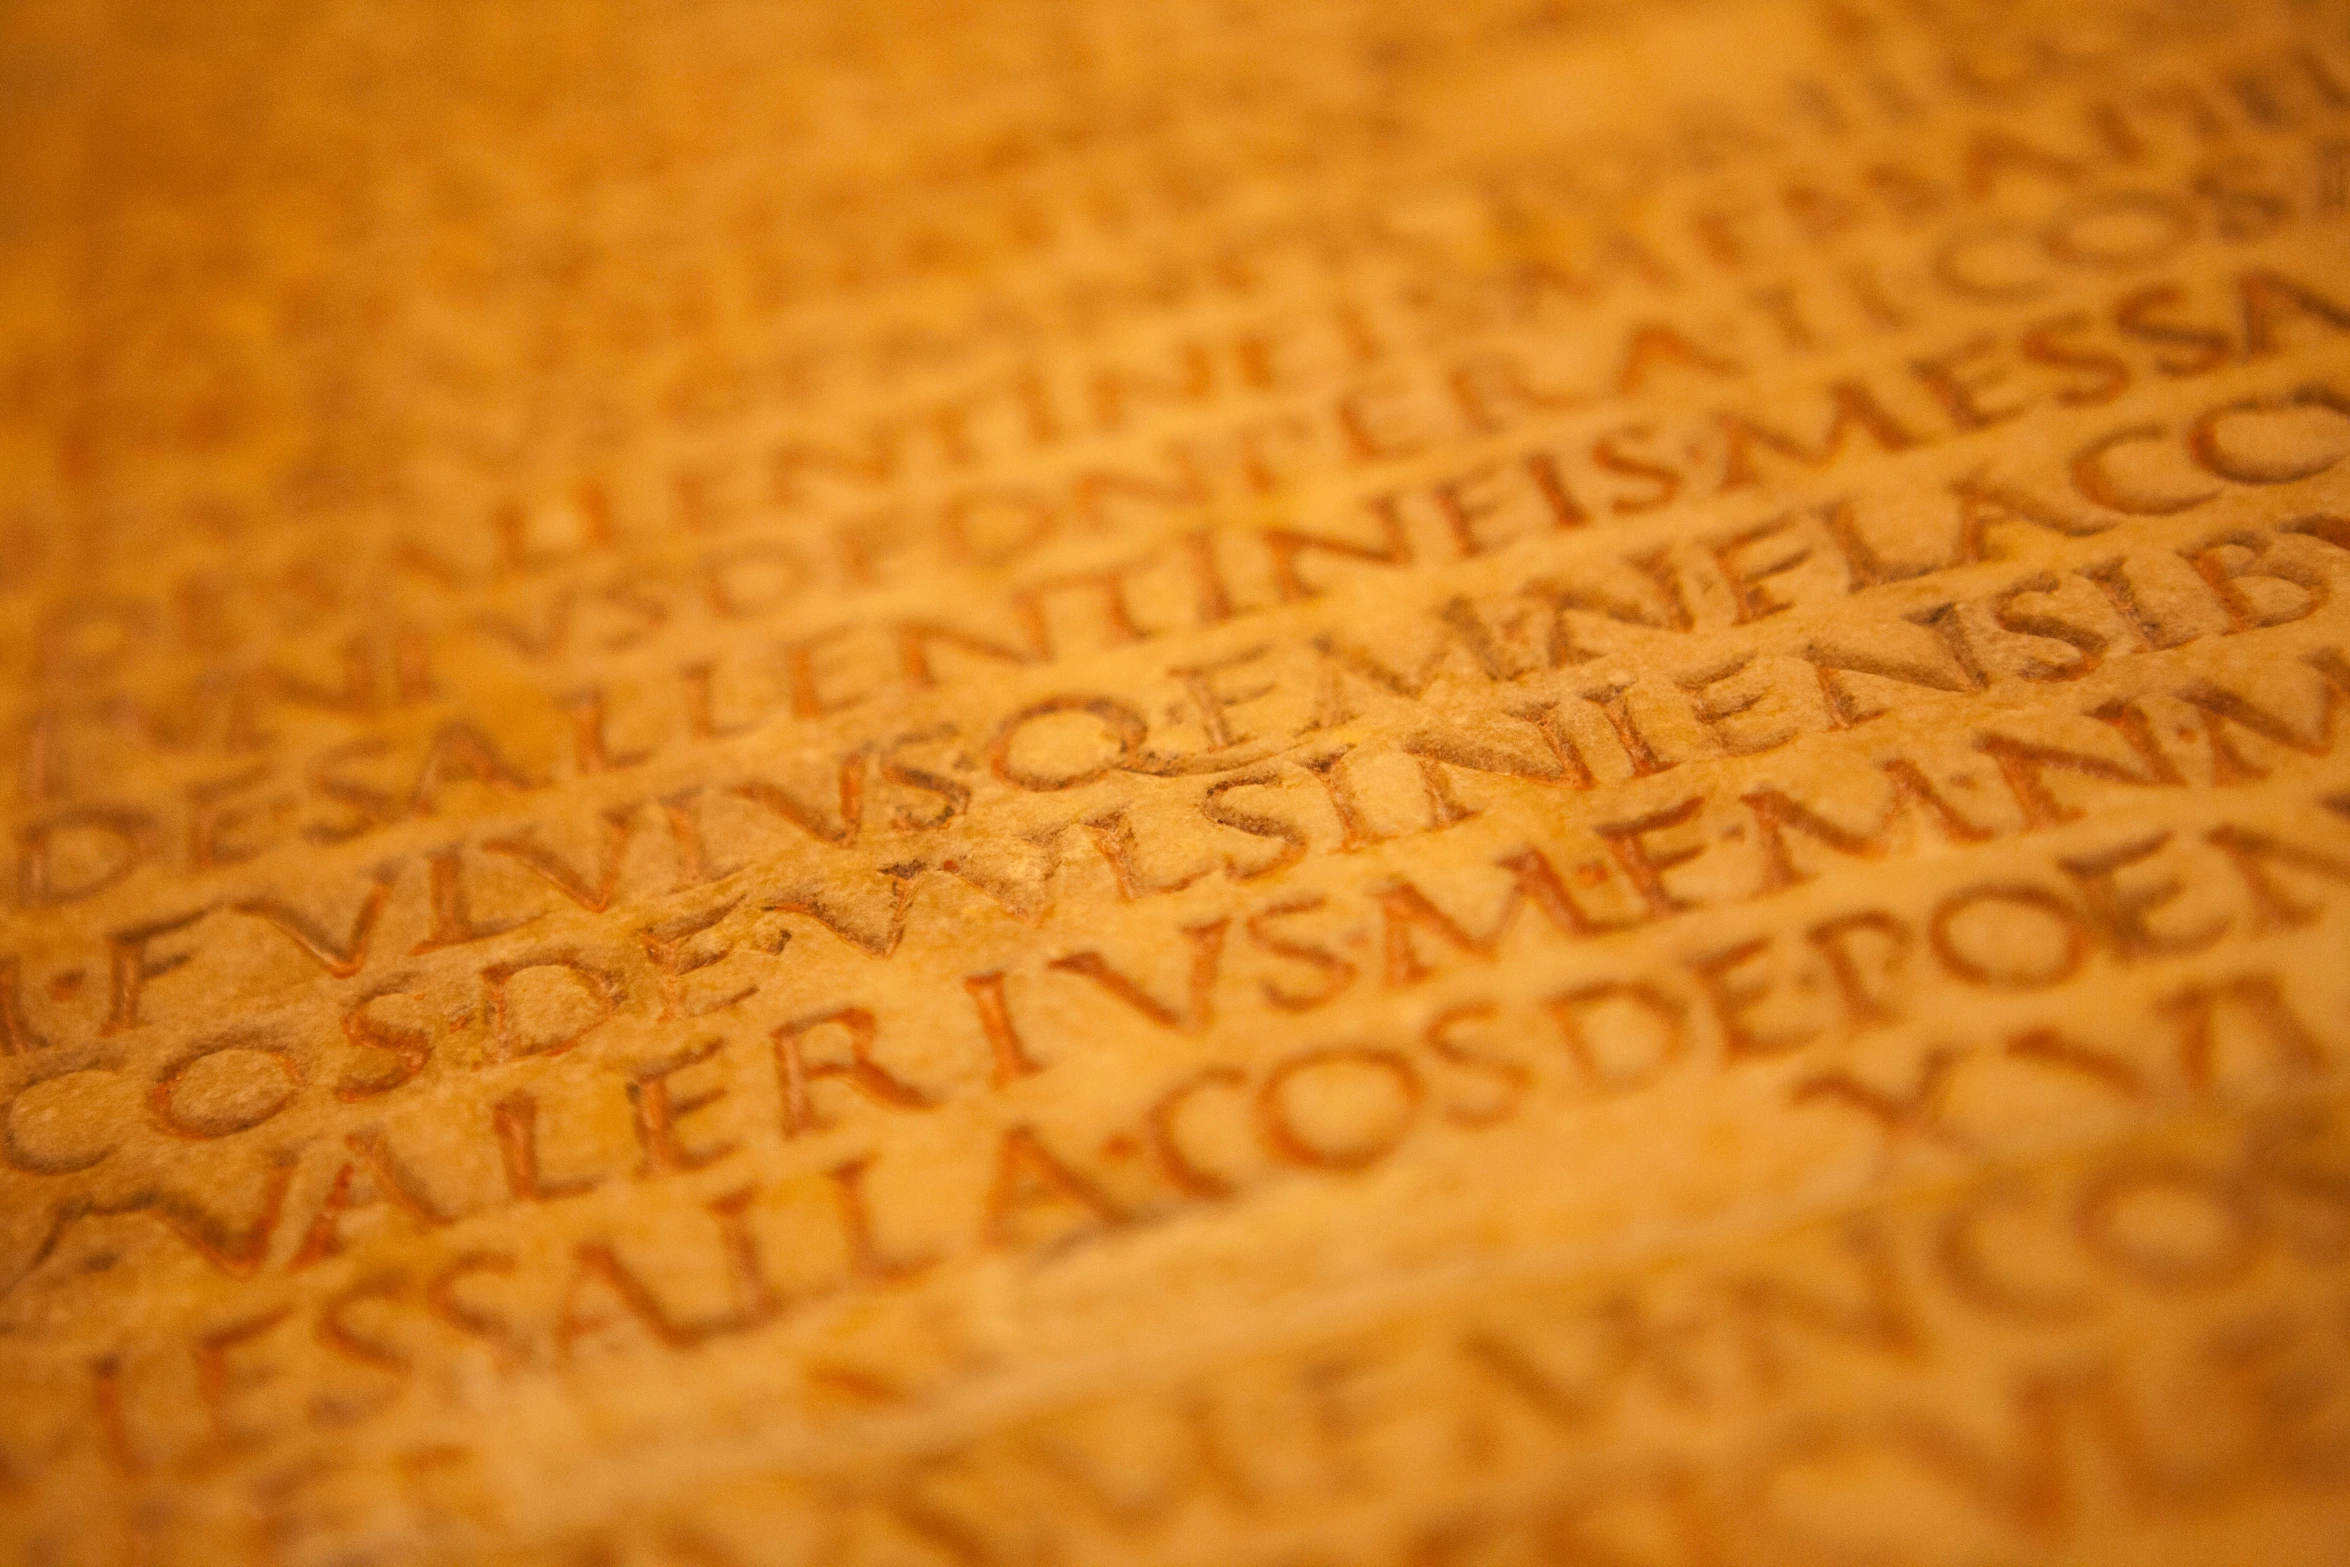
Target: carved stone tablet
1329,784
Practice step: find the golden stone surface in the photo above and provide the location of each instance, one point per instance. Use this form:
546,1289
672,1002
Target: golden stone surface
1307,785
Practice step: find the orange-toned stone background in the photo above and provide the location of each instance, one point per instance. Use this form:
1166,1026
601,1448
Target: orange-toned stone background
1289,784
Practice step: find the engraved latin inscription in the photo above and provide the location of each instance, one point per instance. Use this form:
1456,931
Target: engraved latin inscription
871,785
